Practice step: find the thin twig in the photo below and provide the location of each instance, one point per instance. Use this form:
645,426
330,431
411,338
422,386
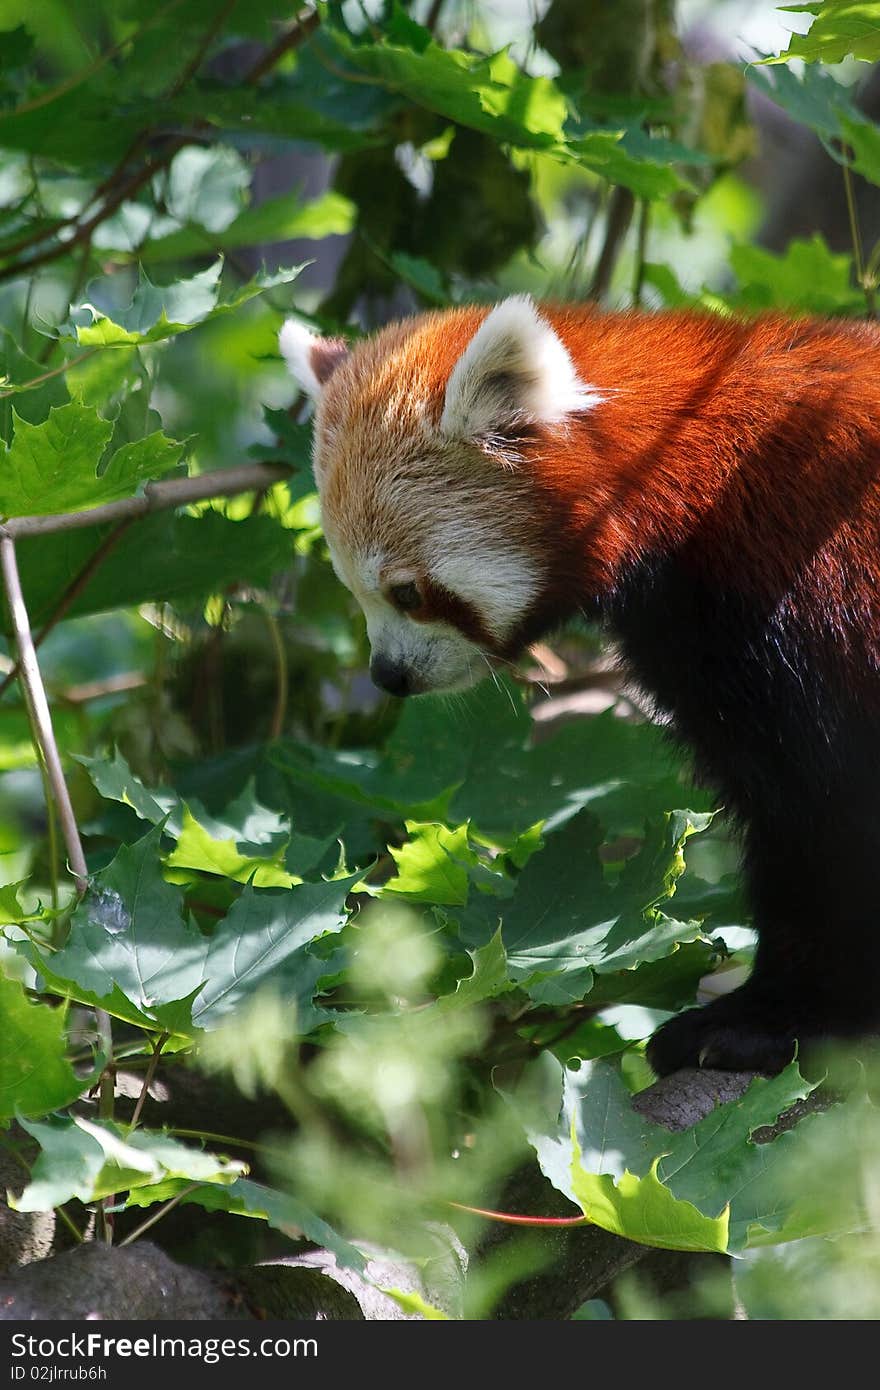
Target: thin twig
619,215
98,690
157,1215
47,376
856,236
106,1108
280,710
32,684
156,497
434,15
71,1225
207,39
116,192
148,1079
641,244
52,828
76,79
291,38
35,697
73,590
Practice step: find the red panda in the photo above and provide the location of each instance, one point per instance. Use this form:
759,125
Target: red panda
707,487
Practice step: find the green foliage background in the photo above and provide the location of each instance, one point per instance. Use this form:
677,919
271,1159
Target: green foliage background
436,936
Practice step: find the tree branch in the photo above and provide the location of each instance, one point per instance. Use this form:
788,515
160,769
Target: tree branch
620,210
291,38
117,193
35,693
156,497
73,590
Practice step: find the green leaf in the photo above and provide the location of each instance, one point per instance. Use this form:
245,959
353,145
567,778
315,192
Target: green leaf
35,1075
640,168
16,48
623,772
483,768
807,277
494,96
157,312
17,370
263,940
53,467
11,909
490,977
114,779
89,1160
561,924
245,823
208,186
840,28
281,1210
716,1166
423,277
415,1303
129,948
311,102
131,951
198,849
864,139
277,219
165,559
643,1210
813,98
432,867
488,94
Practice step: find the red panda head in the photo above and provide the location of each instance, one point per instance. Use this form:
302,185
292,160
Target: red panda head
421,440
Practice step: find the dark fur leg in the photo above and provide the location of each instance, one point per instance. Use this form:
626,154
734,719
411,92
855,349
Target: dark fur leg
817,972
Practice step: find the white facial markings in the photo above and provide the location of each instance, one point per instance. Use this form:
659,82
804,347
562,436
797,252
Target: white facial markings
500,581
514,368
436,654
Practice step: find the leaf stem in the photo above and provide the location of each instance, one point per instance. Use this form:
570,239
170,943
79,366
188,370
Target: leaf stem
71,1225
509,1219
157,1215
862,277
280,710
148,1079
47,376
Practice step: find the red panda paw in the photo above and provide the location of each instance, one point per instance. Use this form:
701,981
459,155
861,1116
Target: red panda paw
735,1033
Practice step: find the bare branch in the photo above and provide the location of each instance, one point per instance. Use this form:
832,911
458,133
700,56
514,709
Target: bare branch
115,189
35,693
156,497
73,590
620,210
291,38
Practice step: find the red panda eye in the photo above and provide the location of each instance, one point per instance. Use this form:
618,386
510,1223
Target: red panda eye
405,597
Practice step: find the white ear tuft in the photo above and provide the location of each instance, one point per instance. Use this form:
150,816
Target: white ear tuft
312,360
514,369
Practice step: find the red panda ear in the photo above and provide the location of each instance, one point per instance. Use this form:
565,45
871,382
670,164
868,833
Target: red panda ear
312,360
515,370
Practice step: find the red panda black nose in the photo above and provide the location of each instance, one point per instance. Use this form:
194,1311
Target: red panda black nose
391,676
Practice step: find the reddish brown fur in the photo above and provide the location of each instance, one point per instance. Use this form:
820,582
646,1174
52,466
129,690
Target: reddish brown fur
756,444
718,506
